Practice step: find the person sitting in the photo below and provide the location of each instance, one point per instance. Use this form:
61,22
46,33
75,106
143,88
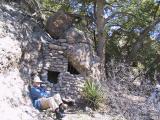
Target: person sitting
42,100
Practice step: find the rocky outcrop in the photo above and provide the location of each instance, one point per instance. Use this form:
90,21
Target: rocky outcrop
58,24
14,100
81,54
9,58
78,47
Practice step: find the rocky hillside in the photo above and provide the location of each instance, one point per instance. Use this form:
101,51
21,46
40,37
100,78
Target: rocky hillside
21,45
20,52
14,102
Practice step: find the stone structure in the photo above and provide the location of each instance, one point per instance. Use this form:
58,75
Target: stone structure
56,63
66,63
65,60
47,59
78,48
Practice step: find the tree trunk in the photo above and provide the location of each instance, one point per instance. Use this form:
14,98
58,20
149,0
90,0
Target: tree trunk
100,21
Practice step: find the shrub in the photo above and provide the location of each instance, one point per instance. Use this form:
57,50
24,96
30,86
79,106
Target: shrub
92,94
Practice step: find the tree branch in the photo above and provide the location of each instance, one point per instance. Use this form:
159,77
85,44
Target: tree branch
118,13
156,10
142,35
148,28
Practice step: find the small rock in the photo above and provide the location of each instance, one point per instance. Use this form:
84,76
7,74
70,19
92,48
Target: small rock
88,109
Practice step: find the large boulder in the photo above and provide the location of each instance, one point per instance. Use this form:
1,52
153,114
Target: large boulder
80,53
58,24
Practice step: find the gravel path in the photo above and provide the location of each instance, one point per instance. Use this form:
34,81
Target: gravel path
83,116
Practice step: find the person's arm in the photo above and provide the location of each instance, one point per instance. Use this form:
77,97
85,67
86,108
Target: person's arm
45,93
37,93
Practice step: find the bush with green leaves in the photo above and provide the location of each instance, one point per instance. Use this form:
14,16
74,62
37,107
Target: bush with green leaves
92,94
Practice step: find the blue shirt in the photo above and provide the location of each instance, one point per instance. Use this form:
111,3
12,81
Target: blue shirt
36,93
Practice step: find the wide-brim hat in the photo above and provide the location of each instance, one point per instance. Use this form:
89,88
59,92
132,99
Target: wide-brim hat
157,87
37,79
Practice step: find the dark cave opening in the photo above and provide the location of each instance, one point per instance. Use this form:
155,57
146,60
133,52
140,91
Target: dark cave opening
53,76
72,70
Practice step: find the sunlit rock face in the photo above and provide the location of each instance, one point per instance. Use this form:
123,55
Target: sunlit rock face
14,101
80,52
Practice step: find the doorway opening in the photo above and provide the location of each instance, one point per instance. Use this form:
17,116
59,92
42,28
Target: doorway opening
53,77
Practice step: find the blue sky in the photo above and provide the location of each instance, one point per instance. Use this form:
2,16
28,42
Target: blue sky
155,34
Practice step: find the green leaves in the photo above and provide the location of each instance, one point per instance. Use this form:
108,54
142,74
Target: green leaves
49,4
92,94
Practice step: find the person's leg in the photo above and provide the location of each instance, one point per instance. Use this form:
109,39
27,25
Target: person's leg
50,103
59,101
58,114
44,103
55,106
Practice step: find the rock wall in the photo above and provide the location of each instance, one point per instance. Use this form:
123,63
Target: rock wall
54,59
70,85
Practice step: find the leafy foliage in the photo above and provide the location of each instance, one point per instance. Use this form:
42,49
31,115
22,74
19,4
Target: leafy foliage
136,16
92,94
